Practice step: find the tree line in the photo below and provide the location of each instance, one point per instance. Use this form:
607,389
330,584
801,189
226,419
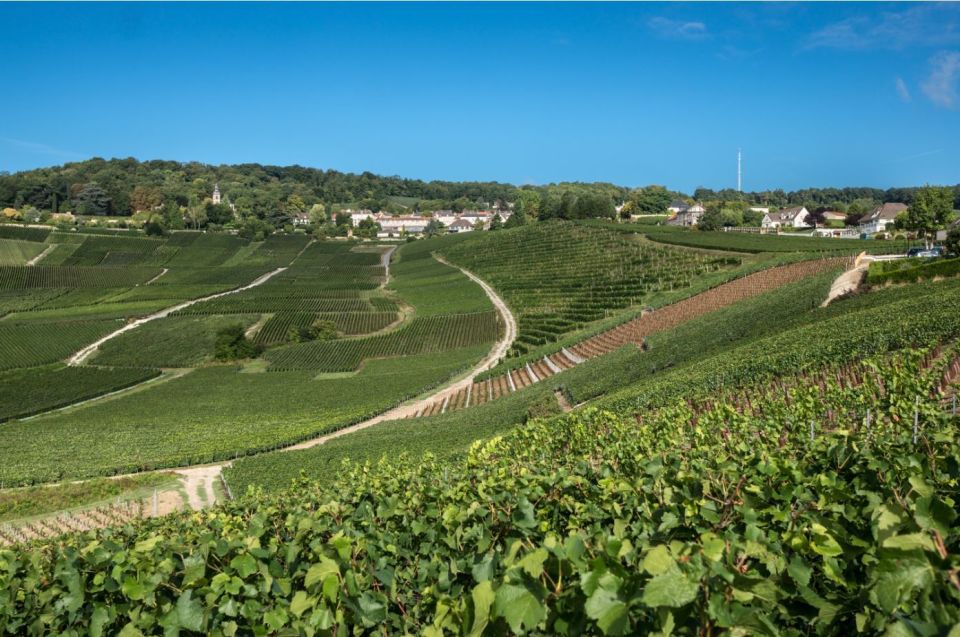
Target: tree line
269,196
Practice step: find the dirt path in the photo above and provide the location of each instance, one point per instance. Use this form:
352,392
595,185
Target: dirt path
35,260
86,352
851,279
256,327
198,483
201,479
162,272
411,409
563,402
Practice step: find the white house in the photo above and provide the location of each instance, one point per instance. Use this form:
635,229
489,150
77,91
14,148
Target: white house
460,225
412,224
301,219
356,216
880,217
446,217
798,217
688,216
677,206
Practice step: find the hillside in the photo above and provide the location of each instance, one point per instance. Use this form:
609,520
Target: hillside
680,440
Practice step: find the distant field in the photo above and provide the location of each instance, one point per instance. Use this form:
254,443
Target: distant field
23,233
13,252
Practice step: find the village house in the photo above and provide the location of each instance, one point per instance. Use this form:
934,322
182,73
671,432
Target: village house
446,217
880,217
797,217
677,206
411,224
689,215
356,216
300,219
460,225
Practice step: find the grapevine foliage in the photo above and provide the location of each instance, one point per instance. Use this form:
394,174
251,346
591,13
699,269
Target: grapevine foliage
786,511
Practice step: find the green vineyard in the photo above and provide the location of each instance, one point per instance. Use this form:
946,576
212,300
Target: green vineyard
756,510
43,276
423,335
558,277
25,392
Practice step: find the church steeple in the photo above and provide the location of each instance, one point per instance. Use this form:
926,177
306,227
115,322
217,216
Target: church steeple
216,194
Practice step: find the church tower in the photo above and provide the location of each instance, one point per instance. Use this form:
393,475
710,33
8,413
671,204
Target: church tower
216,194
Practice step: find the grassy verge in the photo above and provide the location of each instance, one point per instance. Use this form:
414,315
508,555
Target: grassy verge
28,502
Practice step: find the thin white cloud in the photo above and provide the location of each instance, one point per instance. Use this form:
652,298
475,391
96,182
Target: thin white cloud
926,25
941,85
679,29
42,149
902,90
925,153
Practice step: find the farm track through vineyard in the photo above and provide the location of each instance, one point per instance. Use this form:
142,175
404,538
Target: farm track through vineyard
466,392
632,332
86,352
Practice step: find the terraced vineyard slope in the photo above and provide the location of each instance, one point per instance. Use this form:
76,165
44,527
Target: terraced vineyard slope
559,277
633,332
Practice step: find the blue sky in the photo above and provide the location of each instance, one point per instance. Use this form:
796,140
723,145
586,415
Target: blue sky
814,94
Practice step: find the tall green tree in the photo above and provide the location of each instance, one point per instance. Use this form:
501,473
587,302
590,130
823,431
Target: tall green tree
931,209
93,200
594,204
652,200
528,202
517,219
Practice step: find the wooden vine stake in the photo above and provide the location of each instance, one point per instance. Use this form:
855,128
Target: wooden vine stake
916,418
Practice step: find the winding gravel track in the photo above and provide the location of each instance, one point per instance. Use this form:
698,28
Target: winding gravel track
86,352
35,260
410,409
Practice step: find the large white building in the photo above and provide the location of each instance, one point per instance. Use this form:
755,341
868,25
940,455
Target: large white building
416,224
880,217
798,217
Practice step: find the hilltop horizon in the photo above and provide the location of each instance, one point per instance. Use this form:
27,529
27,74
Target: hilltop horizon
517,185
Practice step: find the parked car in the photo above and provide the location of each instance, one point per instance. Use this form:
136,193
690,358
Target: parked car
935,251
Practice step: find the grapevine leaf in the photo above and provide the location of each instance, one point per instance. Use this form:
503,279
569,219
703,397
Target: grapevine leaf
98,619
245,565
669,589
319,571
934,514
483,597
909,542
519,607
658,560
194,568
300,603
189,612
608,611
799,571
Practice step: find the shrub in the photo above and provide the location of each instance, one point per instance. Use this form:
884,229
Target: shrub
232,344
